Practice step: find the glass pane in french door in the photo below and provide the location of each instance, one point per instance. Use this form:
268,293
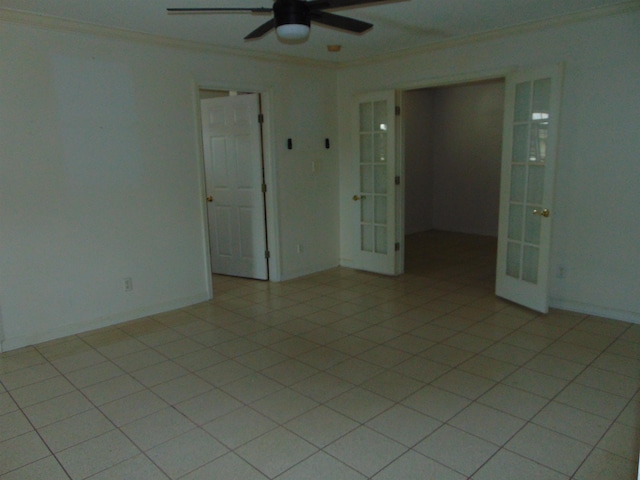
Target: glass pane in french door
373,176
528,154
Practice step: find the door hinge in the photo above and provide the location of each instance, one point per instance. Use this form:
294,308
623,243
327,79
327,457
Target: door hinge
397,110
397,246
267,254
261,118
264,188
397,179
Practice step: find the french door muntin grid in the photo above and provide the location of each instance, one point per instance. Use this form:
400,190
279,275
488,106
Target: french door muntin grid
530,129
373,176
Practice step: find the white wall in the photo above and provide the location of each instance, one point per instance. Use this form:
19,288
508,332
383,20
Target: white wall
595,215
100,175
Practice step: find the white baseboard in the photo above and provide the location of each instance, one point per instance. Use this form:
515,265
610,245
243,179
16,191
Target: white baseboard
599,311
74,328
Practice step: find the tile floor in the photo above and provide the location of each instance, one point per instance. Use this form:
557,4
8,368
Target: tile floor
340,375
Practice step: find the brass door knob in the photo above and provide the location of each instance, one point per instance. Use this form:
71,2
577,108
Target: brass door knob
356,198
542,213
210,198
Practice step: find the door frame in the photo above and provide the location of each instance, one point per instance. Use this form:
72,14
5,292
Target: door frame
271,205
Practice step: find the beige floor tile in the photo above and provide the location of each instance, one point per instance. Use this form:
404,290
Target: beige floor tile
456,449
321,467
157,428
366,451
131,408
506,464
359,404
18,378
513,401
355,371
622,440
536,383
57,409
436,403
392,385
549,448
7,404
577,424
413,466
447,354
112,389
276,452
486,367
592,400
97,454
322,387
74,430
239,427
47,467
13,424
289,372
186,453
252,387
488,423
86,377
139,360
224,372
601,464
284,405
462,383
181,389
228,466
208,406
321,426
404,425
138,467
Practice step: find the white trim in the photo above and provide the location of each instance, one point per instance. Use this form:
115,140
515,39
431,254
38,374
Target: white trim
76,328
596,310
533,26
73,26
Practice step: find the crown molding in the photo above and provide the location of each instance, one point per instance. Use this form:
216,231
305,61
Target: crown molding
46,22
533,26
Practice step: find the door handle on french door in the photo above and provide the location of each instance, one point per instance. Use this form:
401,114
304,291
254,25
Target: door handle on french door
542,213
209,198
356,198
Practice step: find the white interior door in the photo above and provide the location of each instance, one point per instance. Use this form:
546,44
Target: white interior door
532,106
374,195
234,178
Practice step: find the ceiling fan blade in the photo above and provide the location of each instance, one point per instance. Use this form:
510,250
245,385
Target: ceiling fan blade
338,21
262,29
327,4
214,10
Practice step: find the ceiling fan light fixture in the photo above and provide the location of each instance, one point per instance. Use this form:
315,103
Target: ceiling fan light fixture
292,31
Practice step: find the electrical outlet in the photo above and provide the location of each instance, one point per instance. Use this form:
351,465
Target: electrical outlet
562,271
299,248
127,282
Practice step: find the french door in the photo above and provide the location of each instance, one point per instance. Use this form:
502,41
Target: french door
532,106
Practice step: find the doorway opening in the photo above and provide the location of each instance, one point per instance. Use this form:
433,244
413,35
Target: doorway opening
235,183
452,162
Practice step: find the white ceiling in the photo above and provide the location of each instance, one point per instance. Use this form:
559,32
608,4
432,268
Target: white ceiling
398,25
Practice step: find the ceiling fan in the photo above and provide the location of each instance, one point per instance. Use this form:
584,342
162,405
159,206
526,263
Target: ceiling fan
292,18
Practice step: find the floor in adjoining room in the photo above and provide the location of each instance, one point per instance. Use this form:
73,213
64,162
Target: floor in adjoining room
339,375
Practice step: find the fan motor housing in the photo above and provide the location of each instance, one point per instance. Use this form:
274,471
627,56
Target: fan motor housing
287,12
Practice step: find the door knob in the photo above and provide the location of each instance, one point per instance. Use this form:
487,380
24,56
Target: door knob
210,198
356,198
542,213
